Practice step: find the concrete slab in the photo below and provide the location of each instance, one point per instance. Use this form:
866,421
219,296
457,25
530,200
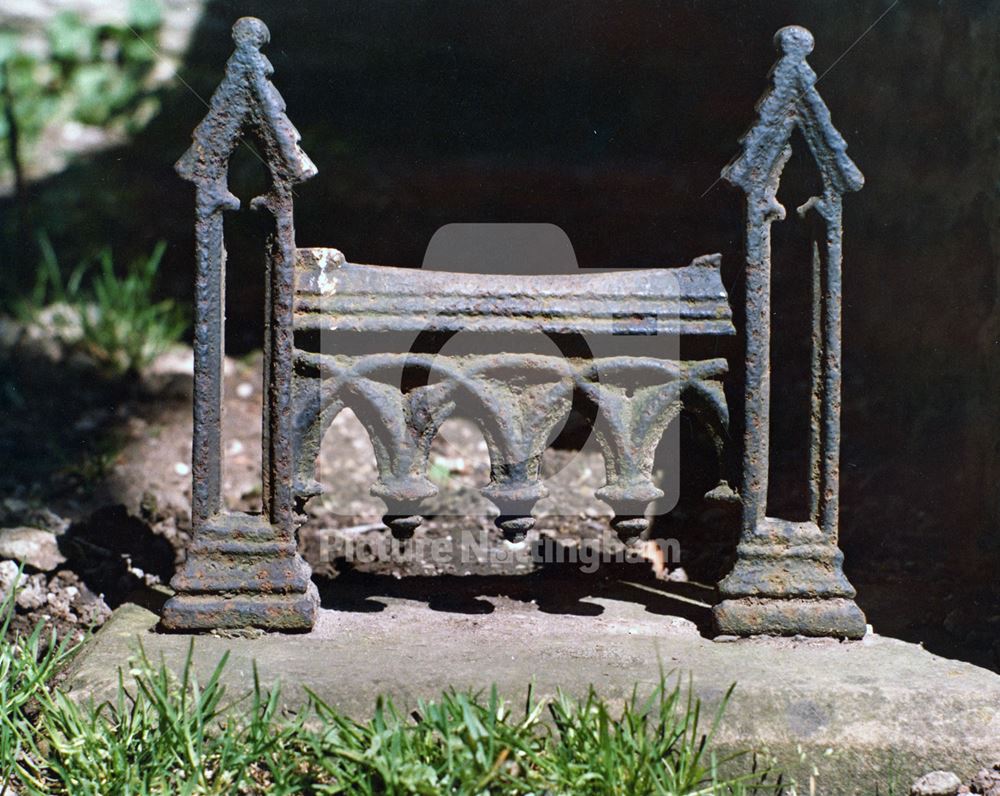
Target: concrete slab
859,712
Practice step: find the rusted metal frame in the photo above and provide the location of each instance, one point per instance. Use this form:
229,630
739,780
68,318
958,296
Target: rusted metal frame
788,576
830,208
689,300
243,570
816,369
267,378
278,500
761,207
209,348
516,423
333,294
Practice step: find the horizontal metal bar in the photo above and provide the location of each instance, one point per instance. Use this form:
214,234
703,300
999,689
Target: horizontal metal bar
586,370
332,294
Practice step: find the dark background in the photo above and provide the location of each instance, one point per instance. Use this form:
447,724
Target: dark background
613,121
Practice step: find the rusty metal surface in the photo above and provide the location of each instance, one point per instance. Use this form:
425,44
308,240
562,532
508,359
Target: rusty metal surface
634,400
261,581
243,570
778,559
333,293
518,401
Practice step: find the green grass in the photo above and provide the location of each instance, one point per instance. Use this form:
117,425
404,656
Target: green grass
27,668
170,734
110,315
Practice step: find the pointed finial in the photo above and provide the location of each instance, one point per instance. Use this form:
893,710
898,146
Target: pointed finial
795,41
791,100
250,32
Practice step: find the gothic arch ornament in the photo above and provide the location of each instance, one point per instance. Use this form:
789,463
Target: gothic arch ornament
243,570
788,577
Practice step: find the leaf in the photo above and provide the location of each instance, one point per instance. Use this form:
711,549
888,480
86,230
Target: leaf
9,43
91,87
70,39
144,15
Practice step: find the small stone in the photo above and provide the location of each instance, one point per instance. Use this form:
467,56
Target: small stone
243,632
148,506
937,783
987,781
34,593
678,575
8,578
182,469
244,390
31,546
15,506
45,519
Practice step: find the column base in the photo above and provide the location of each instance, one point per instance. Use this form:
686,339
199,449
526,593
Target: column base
788,580
242,572
836,617
278,612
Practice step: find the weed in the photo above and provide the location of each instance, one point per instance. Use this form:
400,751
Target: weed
113,318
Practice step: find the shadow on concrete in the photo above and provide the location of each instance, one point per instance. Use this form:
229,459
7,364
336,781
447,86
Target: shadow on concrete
554,588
